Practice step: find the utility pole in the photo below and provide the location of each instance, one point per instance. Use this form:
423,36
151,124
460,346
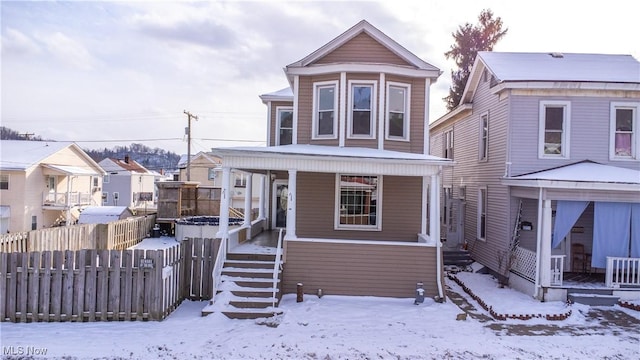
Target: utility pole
189,117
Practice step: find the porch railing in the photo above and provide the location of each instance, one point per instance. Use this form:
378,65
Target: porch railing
277,268
221,257
557,269
622,271
63,199
524,263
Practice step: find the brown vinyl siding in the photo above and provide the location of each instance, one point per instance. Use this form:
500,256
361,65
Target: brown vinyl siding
359,269
401,208
416,120
362,48
273,119
305,109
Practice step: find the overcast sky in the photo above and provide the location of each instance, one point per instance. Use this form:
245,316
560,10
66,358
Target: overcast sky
98,71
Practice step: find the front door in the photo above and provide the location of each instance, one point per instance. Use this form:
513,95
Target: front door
279,200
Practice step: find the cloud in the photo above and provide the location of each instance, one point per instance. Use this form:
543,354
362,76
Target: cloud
68,50
15,42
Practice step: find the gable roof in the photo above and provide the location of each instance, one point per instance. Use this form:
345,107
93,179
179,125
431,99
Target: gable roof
182,164
552,67
126,164
23,154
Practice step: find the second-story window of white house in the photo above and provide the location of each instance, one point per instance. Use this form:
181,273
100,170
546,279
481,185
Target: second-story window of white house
324,115
106,179
447,143
484,137
211,174
398,111
361,110
4,182
624,134
285,126
554,129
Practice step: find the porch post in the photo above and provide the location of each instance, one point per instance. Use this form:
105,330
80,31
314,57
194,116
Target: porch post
291,205
425,197
262,197
225,195
248,201
434,207
545,245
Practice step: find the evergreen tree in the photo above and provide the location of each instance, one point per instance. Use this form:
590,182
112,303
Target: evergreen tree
469,39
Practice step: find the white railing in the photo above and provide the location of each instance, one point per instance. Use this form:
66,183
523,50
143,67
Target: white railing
523,263
557,269
622,271
221,257
58,199
276,268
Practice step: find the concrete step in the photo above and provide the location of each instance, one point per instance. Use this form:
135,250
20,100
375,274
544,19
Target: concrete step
239,313
593,299
249,264
457,257
251,257
590,291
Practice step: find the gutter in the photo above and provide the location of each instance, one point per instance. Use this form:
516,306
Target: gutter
438,243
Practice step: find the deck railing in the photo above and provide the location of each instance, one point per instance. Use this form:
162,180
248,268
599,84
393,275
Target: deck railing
65,199
276,268
221,257
557,269
524,263
622,271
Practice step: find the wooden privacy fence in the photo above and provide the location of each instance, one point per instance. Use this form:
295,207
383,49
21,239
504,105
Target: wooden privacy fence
104,285
117,235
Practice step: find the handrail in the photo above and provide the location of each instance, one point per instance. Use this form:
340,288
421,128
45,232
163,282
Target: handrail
276,268
221,257
622,271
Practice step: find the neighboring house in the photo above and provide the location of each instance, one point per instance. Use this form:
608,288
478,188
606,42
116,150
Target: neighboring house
45,183
206,169
127,183
103,214
547,175
347,170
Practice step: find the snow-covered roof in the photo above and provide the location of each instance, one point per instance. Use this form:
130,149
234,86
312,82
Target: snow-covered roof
23,154
507,66
102,214
285,94
585,174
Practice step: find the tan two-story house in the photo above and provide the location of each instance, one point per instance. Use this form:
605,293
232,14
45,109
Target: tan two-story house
347,169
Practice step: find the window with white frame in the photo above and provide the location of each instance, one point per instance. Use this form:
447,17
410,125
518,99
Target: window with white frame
105,198
284,131
482,213
211,173
447,214
483,151
358,202
240,180
447,144
362,109
624,131
398,111
325,101
106,178
554,128
4,182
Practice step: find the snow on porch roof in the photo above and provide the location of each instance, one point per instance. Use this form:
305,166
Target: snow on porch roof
587,173
70,170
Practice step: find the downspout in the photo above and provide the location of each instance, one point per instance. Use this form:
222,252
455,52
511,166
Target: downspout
536,291
435,229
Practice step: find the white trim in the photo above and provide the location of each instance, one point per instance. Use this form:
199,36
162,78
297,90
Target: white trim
355,67
372,109
572,86
574,185
291,204
338,195
407,113
314,128
381,107
423,209
635,142
278,110
270,124
482,205
483,156
343,109
296,89
566,128
425,124
364,242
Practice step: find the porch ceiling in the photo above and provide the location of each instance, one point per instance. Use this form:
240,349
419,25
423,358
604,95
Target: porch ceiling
331,159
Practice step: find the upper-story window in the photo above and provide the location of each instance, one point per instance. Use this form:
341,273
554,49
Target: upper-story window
483,151
211,173
106,178
4,182
284,131
362,106
623,138
398,111
325,100
447,144
554,125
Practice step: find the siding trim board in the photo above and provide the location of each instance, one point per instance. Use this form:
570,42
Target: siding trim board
362,242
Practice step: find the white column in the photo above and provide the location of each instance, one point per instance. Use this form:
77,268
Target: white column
248,200
261,209
296,85
434,209
545,245
427,86
225,198
382,115
342,124
291,205
423,211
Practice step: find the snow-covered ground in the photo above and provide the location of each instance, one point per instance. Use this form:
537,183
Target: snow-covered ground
339,327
